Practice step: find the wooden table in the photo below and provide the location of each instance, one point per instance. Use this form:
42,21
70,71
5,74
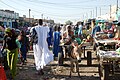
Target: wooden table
107,61
86,46
105,42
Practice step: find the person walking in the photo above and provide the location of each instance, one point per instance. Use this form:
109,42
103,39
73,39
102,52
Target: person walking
80,31
9,43
24,46
50,37
42,54
56,41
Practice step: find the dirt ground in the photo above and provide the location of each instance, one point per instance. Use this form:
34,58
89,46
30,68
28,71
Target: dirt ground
55,72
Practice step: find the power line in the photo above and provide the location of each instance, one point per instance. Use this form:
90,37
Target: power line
45,6
64,4
58,15
54,7
10,6
69,2
70,16
59,5
53,14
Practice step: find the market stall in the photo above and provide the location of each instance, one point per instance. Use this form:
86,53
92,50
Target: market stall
108,62
102,39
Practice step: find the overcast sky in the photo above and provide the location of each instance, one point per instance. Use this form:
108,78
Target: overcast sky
59,10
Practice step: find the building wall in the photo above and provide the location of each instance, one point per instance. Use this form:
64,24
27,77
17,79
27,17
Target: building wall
7,17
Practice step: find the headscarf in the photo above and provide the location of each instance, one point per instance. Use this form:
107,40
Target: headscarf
7,30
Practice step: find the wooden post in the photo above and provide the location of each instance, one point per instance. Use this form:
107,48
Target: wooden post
89,58
106,72
84,51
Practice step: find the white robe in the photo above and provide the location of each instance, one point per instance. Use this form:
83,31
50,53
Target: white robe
42,54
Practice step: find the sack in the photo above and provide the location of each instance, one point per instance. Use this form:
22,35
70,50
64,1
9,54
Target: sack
2,73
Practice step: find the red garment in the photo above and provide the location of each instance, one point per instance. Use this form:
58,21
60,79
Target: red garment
111,30
2,73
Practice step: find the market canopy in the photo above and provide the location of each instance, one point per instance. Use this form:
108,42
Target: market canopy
102,21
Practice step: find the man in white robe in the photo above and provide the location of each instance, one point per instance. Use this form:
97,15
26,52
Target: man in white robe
42,54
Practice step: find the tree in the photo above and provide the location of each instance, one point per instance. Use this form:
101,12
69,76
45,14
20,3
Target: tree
68,22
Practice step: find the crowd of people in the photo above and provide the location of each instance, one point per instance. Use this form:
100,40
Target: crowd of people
45,41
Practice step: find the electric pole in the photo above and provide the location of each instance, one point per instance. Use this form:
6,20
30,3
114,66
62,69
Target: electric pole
100,11
91,14
42,16
83,16
29,16
96,12
87,15
110,11
117,4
